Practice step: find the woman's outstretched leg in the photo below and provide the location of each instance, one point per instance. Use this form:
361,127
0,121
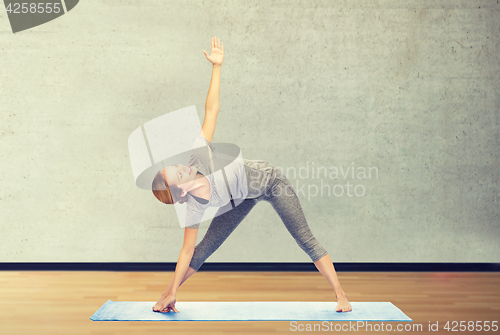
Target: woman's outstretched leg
286,203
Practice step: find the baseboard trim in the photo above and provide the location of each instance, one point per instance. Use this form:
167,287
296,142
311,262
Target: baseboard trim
262,267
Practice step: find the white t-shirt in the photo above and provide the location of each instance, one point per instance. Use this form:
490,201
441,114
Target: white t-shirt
246,179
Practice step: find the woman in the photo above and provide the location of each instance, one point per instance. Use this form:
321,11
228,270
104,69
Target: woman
196,185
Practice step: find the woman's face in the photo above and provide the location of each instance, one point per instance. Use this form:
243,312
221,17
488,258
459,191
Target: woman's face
180,176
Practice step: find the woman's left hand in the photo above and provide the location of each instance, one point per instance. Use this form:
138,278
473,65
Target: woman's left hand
166,305
217,55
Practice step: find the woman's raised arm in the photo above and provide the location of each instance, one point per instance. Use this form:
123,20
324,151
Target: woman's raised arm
212,103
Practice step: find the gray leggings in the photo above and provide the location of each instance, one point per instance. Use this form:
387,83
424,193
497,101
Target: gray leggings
285,202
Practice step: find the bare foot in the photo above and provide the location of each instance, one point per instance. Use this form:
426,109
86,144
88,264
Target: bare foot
343,304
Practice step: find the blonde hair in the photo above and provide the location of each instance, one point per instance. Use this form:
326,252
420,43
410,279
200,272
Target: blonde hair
167,194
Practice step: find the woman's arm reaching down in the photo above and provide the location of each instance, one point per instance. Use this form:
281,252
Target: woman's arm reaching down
184,257
168,303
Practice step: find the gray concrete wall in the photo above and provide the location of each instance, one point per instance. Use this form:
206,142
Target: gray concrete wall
408,88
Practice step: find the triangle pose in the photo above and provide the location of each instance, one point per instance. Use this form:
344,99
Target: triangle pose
247,183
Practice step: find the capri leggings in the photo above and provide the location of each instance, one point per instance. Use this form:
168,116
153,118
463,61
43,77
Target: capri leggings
285,202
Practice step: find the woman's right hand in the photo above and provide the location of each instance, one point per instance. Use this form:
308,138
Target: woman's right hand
158,306
166,305
217,56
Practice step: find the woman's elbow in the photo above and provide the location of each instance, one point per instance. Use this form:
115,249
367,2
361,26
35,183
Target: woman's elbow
212,112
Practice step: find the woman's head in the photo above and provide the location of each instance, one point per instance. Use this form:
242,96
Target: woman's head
172,184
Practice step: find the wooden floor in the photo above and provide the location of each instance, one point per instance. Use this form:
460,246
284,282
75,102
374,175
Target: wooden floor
62,302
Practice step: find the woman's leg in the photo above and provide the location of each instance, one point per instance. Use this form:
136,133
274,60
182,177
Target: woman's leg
286,203
218,231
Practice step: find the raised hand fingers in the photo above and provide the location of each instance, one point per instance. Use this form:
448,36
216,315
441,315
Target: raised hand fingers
216,43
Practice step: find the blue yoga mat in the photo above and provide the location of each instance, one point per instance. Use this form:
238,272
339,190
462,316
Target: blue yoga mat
249,311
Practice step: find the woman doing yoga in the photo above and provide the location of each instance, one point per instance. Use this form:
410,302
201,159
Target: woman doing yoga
198,186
